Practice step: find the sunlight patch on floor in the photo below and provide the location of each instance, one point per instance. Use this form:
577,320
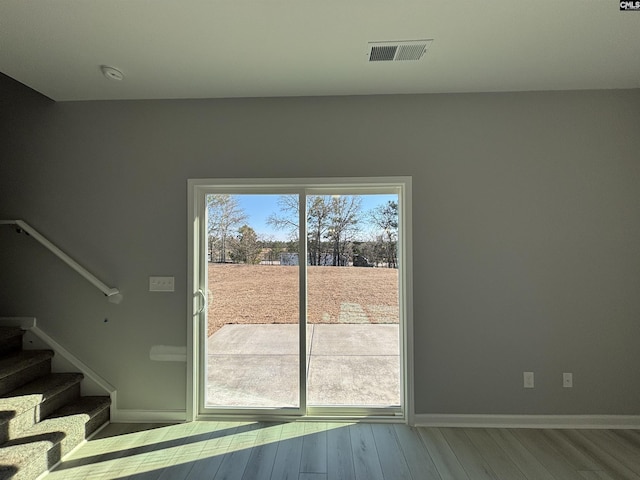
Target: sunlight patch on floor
146,451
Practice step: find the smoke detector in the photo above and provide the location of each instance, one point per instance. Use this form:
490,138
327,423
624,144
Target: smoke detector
111,73
394,51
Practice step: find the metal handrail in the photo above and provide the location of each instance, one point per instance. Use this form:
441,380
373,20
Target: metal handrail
113,294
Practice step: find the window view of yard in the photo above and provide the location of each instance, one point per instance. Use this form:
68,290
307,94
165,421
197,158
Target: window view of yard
352,310
242,294
253,276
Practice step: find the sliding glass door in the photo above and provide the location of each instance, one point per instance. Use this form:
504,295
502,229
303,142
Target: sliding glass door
352,299
289,327
252,318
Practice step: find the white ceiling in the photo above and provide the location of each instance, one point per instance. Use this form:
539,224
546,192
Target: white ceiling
262,48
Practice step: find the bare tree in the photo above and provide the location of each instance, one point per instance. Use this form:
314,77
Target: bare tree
318,210
344,219
318,224
288,218
224,214
331,218
385,218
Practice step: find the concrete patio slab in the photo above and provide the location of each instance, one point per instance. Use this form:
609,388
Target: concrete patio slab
359,339
348,365
354,380
252,381
272,339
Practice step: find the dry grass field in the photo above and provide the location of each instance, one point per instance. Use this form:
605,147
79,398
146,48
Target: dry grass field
269,294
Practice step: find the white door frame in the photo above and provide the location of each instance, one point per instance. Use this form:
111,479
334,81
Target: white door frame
197,188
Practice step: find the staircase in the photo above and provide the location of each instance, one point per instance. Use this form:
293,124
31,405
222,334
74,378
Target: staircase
42,415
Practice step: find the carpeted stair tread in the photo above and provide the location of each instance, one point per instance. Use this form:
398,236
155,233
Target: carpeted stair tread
43,445
21,408
18,361
25,461
38,391
83,405
20,368
72,420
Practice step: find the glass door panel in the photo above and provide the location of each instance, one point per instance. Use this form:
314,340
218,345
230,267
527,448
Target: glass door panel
252,340
352,301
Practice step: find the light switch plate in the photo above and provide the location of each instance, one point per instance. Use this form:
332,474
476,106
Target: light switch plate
161,284
528,379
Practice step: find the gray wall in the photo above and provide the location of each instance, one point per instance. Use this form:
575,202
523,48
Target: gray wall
526,230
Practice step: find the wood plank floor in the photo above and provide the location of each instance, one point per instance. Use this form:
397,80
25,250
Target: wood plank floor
327,451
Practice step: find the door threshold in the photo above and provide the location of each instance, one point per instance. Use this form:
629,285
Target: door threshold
344,418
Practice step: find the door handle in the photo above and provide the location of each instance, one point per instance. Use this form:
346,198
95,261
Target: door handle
201,294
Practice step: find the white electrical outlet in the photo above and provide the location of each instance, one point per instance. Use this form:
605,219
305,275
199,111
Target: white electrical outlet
161,284
528,379
567,380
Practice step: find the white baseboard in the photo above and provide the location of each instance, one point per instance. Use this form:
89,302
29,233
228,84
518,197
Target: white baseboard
527,421
125,415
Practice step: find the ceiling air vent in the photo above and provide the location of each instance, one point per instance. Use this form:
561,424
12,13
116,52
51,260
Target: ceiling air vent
396,51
